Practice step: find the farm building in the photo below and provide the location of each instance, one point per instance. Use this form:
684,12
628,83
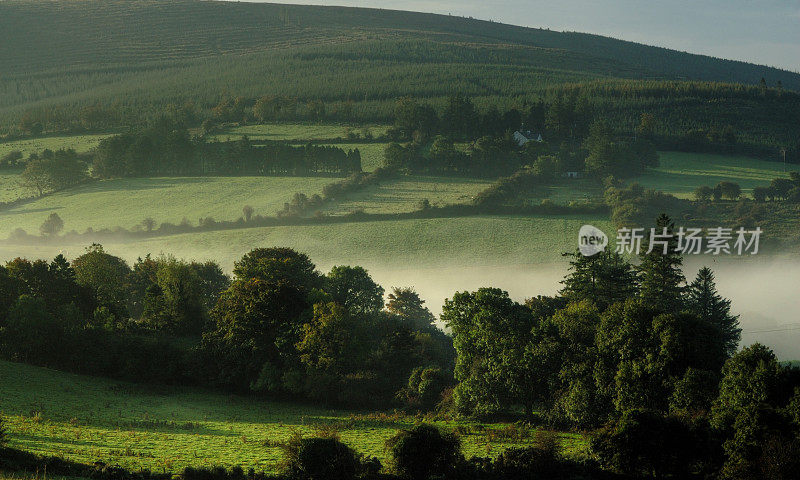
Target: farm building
524,136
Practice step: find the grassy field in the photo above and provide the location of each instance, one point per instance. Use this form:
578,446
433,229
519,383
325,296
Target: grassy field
680,173
79,143
405,194
88,419
126,202
371,153
9,186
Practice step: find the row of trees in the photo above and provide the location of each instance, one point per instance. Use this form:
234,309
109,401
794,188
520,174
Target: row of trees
782,188
166,148
565,119
579,142
278,327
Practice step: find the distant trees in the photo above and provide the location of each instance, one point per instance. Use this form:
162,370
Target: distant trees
149,224
247,212
166,148
608,155
703,193
51,170
11,159
760,194
52,226
729,190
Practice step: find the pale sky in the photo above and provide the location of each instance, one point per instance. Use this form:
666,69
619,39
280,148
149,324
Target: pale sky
765,32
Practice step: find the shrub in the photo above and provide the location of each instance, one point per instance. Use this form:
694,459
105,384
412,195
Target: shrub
320,459
424,389
424,451
646,443
527,463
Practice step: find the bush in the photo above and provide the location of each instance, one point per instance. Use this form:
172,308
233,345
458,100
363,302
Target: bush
424,451
425,388
528,463
322,459
646,443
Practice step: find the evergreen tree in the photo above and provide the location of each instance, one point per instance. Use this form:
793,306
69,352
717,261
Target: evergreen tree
710,307
662,281
604,279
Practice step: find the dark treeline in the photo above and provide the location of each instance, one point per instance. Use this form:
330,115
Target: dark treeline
166,148
278,327
711,117
567,135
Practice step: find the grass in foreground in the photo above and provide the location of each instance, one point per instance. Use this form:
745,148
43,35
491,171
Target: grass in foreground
88,419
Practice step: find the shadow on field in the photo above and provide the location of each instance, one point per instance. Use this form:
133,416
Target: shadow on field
32,441
136,184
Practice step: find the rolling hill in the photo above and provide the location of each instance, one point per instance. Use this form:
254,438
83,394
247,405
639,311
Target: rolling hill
40,35
62,60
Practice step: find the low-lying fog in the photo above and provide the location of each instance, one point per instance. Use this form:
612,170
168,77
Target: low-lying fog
765,291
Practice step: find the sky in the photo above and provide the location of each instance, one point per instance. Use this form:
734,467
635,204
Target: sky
766,32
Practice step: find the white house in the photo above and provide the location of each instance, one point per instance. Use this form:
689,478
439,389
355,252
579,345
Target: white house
524,136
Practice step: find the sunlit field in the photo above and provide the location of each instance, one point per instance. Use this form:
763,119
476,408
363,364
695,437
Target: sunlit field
680,173
407,194
79,143
126,202
161,428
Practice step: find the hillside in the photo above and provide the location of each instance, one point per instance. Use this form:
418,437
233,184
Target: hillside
131,31
134,57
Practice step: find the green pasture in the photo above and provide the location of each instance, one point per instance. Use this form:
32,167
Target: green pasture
407,193
126,202
10,188
79,143
166,429
680,173
371,153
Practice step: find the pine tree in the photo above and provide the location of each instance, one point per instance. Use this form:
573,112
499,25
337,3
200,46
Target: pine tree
661,277
603,279
709,306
